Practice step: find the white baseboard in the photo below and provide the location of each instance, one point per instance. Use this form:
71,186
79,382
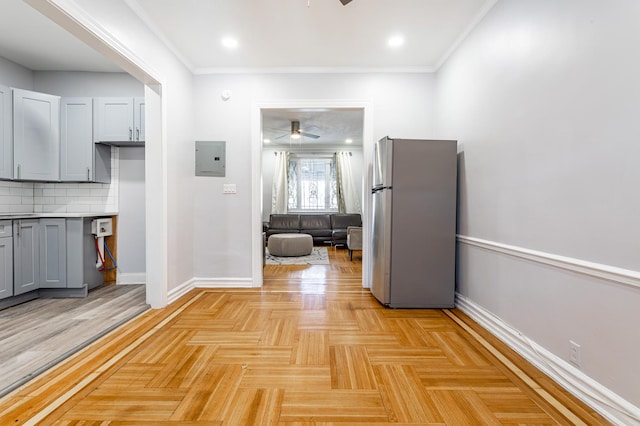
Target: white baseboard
131,278
610,405
176,293
189,285
223,283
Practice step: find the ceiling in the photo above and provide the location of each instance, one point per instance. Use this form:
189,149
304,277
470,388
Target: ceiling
271,35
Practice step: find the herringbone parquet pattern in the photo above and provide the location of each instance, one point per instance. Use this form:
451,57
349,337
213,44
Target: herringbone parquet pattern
310,348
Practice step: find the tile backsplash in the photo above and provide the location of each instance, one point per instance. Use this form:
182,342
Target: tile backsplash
36,197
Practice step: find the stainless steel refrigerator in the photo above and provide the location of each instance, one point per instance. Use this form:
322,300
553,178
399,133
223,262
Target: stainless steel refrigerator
414,223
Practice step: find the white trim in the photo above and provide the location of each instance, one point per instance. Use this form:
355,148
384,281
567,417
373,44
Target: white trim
598,270
256,178
77,21
610,405
131,278
314,70
223,283
153,27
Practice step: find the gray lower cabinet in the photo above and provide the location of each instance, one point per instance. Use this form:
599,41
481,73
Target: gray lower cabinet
53,253
56,256
6,259
81,255
40,254
26,256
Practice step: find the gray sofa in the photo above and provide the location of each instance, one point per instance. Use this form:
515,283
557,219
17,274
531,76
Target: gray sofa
324,228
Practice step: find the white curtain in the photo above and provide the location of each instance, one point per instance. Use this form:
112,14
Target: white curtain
279,193
348,198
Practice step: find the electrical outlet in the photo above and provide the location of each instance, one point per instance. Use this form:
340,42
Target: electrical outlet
574,353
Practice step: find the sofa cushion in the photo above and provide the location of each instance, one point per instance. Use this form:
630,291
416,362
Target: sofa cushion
284,221
344,220
315,221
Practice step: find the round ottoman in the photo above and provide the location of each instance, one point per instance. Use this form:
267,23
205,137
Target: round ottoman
290,244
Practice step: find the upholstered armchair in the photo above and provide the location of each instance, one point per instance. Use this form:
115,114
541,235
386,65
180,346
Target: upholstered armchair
354,239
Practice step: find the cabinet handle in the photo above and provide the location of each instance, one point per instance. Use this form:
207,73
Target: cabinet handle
18,171
137,134
19,226
88,173
130,133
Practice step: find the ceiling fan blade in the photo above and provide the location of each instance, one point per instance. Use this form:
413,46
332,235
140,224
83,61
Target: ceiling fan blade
310,128
309,135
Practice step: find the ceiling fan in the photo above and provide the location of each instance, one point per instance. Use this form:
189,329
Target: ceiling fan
345,2
297,132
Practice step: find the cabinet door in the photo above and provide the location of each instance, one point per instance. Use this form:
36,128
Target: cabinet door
76,139
6,134
36,135
139,119
6,267
53,253
114,119
26,256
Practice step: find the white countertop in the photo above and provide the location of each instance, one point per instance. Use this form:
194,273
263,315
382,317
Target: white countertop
5,216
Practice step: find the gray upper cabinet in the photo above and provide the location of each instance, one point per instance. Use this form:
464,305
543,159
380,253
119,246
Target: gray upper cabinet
26,256
36,136
138,119
6,134
80,159
119,121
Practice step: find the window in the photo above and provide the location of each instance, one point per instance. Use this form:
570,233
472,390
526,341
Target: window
312,184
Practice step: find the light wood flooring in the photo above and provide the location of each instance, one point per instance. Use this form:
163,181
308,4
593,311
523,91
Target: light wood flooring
309,348
40,333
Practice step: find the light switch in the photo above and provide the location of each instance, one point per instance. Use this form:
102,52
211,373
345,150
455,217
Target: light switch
229,188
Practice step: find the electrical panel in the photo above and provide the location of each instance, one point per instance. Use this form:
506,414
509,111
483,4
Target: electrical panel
210,158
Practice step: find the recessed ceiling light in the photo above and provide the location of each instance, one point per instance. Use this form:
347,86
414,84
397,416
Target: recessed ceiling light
395,41
348,141
230,42
267,141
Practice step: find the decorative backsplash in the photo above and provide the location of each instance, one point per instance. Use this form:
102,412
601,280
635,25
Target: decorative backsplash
36,197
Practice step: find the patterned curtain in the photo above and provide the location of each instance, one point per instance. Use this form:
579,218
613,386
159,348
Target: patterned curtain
348,199
279,193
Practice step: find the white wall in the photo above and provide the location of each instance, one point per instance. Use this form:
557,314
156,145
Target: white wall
223,222
545,98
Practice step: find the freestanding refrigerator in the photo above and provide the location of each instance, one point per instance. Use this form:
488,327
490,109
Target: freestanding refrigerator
414,223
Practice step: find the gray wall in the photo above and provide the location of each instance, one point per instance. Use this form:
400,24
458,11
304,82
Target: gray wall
544,97
14,75
131,218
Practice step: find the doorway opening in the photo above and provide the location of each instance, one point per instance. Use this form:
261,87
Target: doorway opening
323,128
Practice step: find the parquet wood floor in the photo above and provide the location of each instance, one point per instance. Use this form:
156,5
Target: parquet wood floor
309,348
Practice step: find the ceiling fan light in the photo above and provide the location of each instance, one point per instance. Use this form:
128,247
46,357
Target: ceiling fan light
295,135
